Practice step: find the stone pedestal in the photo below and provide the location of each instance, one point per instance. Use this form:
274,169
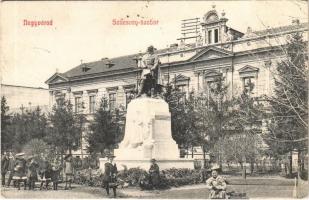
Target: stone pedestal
148,132
148,135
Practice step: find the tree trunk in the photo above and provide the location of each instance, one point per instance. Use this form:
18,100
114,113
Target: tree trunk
244,173
204,157
299,162
251,167
290,163
192,152
257,165
302,167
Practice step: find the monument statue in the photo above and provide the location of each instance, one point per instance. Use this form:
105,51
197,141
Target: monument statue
148,131
149,84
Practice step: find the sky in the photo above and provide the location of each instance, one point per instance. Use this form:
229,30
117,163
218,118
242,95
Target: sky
84,32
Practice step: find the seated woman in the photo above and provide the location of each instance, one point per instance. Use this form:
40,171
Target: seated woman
216,184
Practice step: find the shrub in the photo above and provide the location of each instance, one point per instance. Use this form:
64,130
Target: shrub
36,146
131,176
169,178
179,177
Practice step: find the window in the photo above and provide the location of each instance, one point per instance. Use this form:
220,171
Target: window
78,104
91,104
212,85
129,97
59,100
248,84
216,35
112,101
182,88
209,36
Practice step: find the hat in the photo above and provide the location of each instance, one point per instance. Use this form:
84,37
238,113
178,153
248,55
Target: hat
153,160
67,156
215,167
20,154
30,157
150,48
110,156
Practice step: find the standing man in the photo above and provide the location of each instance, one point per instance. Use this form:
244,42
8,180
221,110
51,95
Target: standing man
216,184
11,168
154,173
68,170
32,173
4,166
110,175
150,73
44,170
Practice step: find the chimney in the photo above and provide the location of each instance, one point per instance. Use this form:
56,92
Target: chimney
295,22
109,63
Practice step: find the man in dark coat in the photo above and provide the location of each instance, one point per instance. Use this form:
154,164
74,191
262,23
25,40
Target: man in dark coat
11,168
110,175
44,171
4,166
154,173
32,173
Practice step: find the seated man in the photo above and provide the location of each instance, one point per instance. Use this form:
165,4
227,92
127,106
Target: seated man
216,184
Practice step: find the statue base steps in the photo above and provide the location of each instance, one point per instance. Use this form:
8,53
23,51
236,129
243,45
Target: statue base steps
145,164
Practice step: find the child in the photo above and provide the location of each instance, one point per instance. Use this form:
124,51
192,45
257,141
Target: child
56,167
68,170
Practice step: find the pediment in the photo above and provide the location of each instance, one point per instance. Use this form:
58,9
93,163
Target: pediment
248,69
56,78
212,73
211,53
181,77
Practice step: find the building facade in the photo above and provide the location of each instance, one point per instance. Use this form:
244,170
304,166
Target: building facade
241,59
23,97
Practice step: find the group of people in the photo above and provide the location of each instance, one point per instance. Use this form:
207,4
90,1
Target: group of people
216,183
110,175
29,170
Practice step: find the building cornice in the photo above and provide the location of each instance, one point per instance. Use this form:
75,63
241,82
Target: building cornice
97,75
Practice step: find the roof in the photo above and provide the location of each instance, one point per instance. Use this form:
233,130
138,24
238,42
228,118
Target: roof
118,63
21,86
280,29
128,63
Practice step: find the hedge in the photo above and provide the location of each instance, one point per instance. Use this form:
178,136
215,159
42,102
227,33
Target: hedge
169,178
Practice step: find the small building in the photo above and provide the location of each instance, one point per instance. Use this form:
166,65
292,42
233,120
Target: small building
23,97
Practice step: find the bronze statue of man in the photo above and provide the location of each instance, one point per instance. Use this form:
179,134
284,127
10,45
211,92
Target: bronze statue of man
150,73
